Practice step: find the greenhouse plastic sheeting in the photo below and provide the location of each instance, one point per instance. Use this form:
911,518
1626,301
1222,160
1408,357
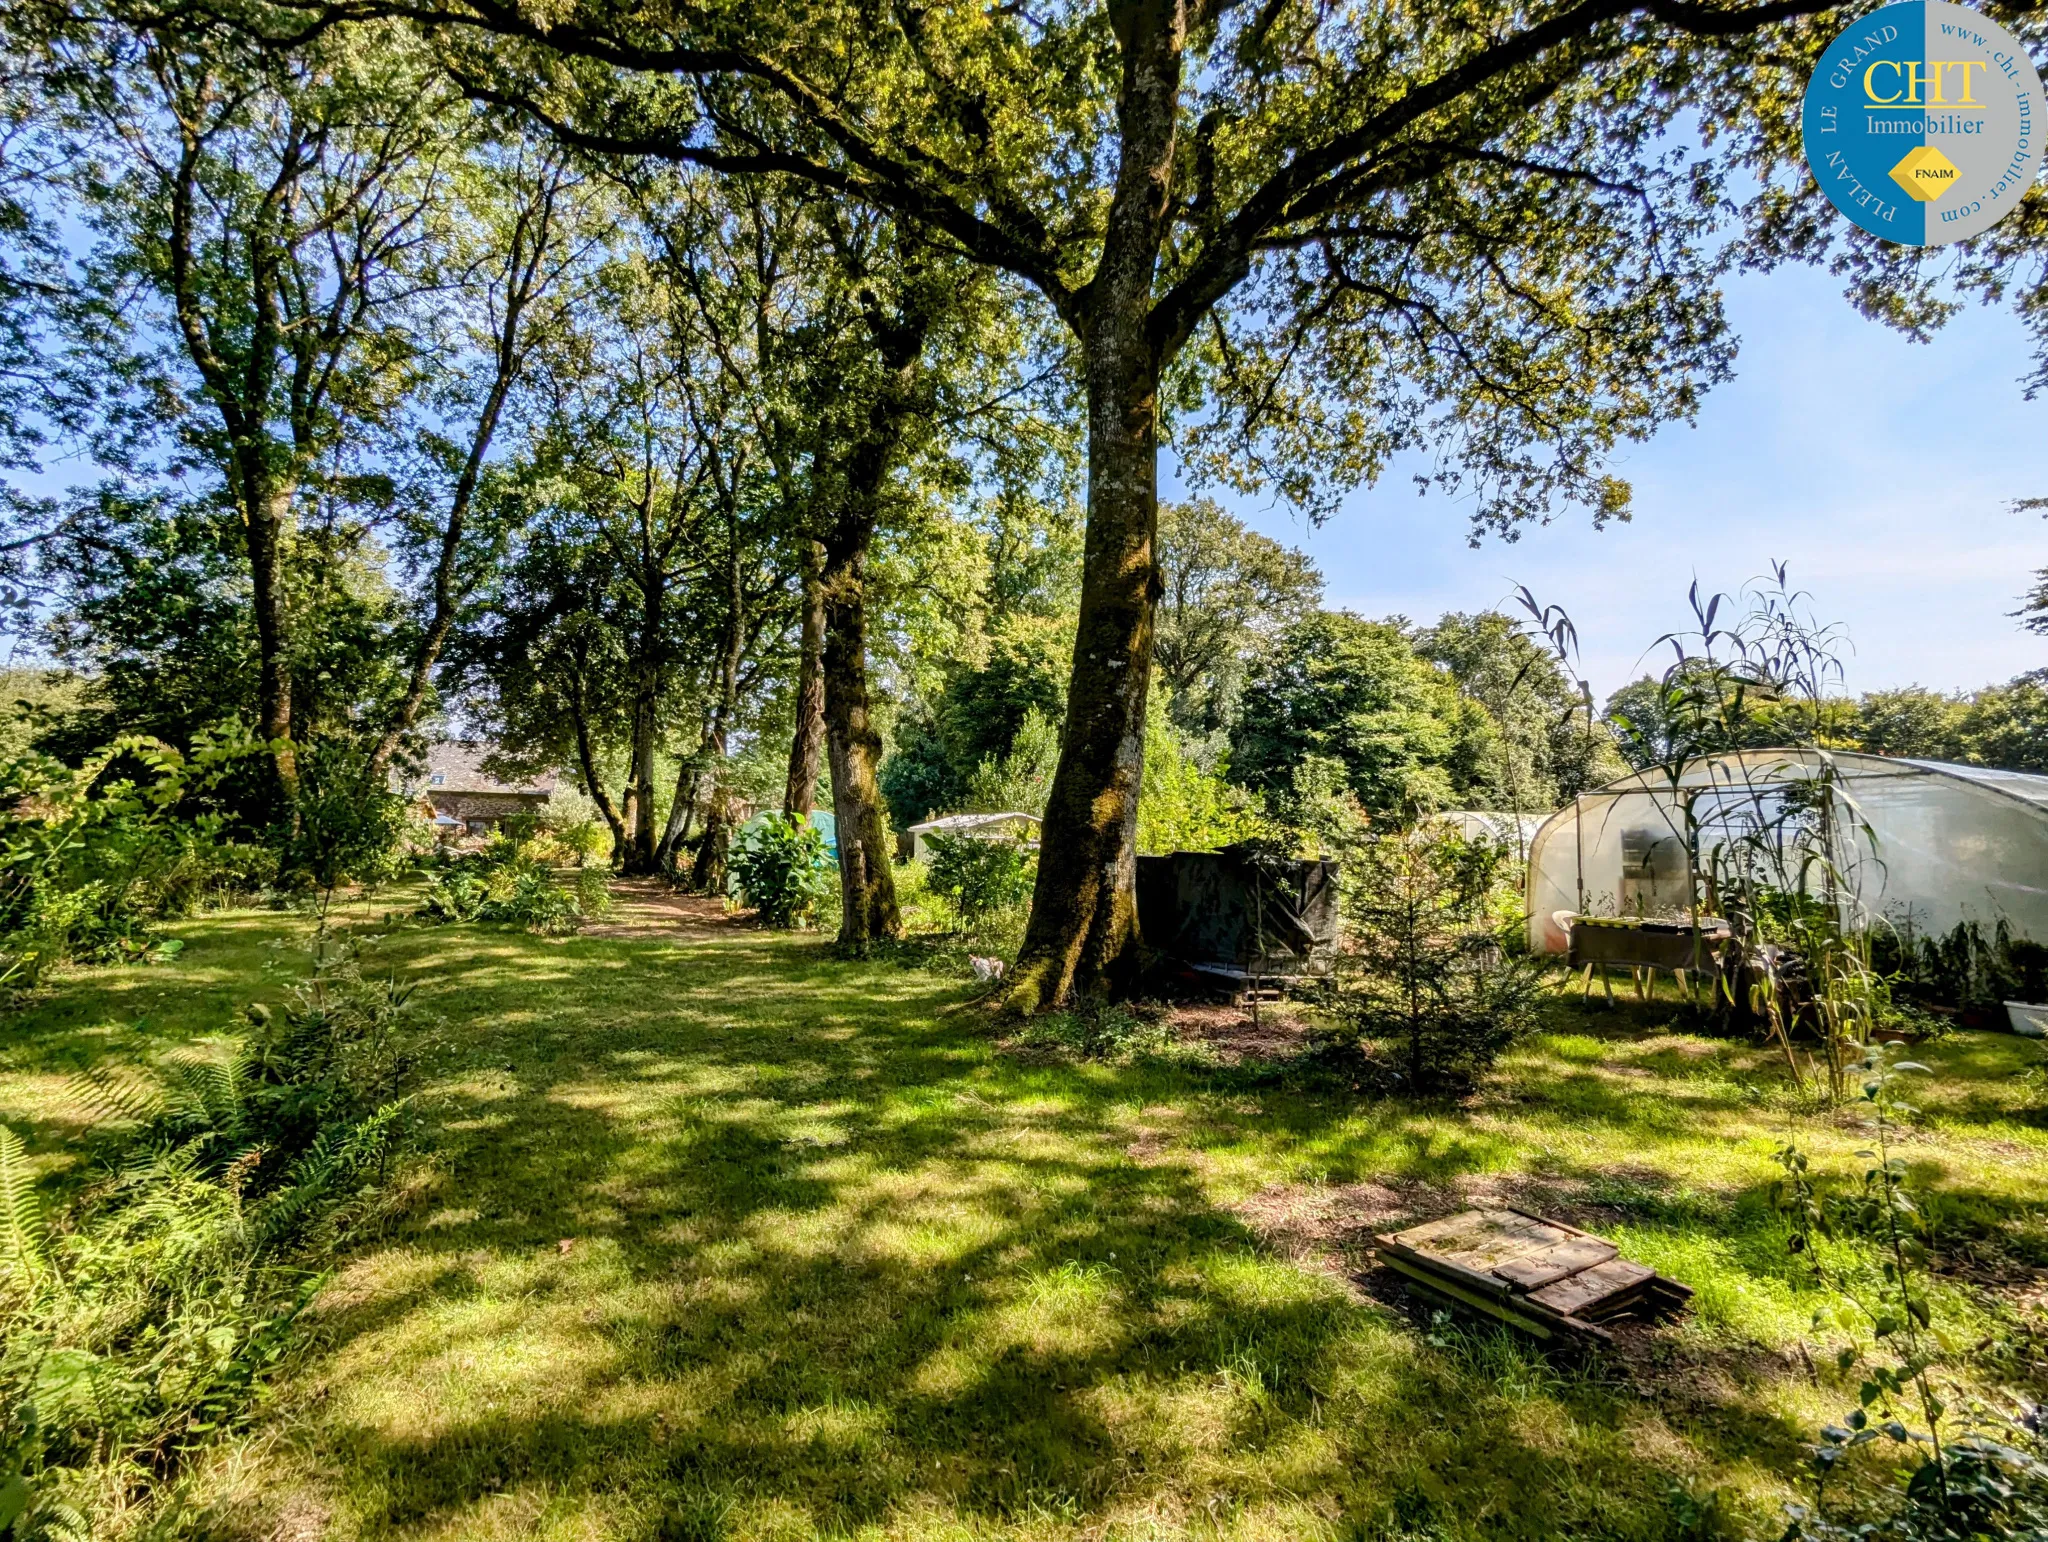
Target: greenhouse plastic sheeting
1918,844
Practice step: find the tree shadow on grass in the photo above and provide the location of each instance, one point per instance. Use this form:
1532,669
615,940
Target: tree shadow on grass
832,1262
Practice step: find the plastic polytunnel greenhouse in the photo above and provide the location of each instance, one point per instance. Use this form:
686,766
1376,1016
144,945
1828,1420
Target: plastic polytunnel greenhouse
1913,844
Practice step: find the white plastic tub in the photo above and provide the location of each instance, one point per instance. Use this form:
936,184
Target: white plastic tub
2029,1020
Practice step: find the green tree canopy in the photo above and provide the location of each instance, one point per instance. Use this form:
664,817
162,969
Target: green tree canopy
1912,722
976,718
1355,691
1225,590
1320,236
1544,751
2007,725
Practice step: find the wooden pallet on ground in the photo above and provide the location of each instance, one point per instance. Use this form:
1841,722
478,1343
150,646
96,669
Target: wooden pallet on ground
1548,1279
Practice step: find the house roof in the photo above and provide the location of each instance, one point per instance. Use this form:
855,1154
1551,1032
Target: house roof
456,765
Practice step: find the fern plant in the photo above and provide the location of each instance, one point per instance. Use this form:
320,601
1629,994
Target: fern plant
151,1319
23,1234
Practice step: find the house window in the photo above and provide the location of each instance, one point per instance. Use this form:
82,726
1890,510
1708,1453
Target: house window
436,779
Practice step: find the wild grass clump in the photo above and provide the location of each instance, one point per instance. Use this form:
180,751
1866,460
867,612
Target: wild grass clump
1097,1031
143,1321
936,935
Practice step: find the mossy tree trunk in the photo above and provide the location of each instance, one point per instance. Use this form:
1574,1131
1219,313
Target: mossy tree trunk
1083,934
807,741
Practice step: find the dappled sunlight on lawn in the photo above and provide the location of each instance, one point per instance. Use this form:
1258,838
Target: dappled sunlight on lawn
726,1238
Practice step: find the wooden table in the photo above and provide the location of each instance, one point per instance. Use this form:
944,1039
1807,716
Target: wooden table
1643,947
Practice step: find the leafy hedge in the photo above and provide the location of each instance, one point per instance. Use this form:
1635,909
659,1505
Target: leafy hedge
506,883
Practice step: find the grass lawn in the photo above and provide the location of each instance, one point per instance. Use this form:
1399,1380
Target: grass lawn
720,1237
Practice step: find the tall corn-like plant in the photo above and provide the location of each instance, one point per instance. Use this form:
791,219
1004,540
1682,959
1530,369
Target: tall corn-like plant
1768,846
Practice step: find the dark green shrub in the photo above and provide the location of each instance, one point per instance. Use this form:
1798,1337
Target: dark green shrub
779,868
1963,967
531,899
92,857
503,884
455,894
980,877
349,830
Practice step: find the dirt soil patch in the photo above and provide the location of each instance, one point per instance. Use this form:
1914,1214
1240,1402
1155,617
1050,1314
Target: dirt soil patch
1231,1034
1329,1228
1309,1222
647,906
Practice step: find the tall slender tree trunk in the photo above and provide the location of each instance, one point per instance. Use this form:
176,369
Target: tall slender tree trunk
243,396
640,841
593,782
267,512
1083,932
709,874
682,811
867,881
1082,938
714,846
647,672
853,745
807,743
441,620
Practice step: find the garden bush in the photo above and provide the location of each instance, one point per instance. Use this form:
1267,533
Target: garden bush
584,840
1963,967
347,829
148,1319
778,866
1187,807
504,883
92,857
980,877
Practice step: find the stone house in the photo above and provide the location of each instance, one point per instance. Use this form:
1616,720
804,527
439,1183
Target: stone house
462,798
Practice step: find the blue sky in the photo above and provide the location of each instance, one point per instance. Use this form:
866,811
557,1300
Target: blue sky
1883,471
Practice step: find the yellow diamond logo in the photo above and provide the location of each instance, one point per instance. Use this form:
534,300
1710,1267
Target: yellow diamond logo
1925,173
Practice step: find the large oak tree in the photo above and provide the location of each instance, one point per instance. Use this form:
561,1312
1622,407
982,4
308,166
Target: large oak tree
1331,233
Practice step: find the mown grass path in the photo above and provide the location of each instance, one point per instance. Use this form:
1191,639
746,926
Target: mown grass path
725,1238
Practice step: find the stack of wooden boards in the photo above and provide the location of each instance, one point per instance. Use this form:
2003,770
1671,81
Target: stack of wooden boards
1542,1276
